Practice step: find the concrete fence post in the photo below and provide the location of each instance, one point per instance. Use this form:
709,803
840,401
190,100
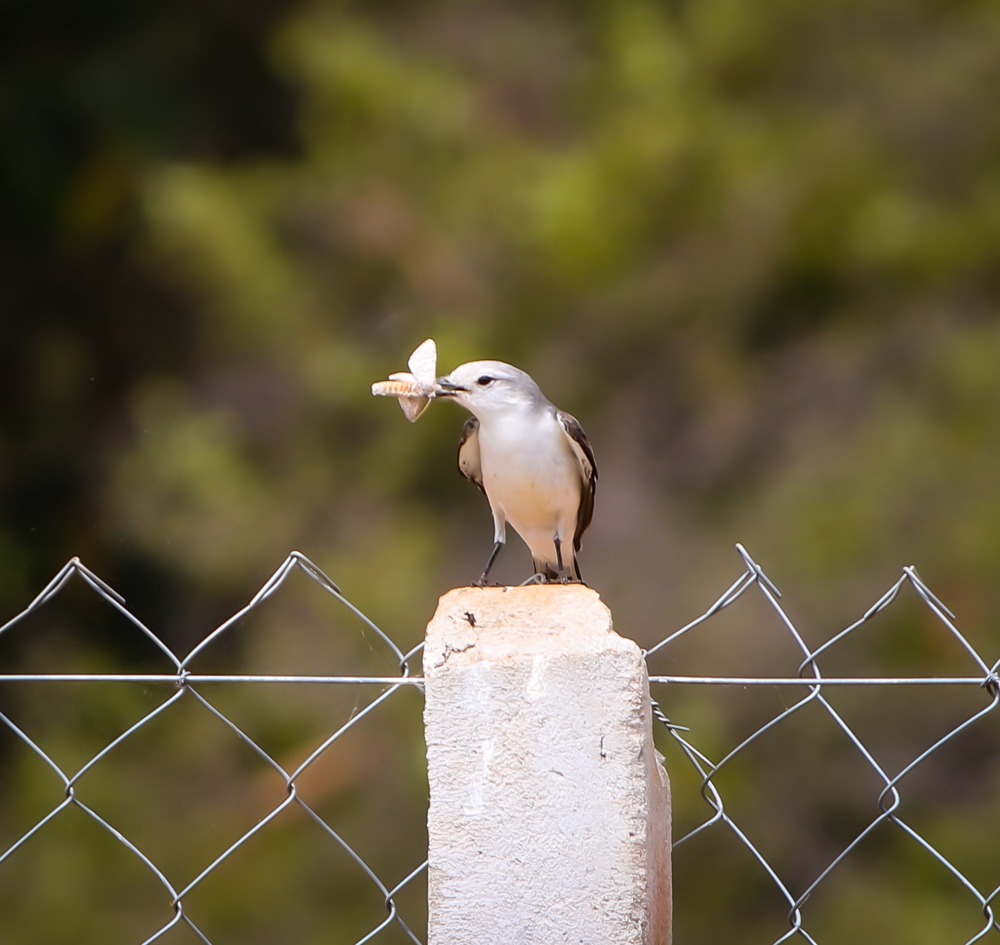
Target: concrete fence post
549,815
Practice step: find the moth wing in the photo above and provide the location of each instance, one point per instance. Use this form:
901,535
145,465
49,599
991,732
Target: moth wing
423,363
413,407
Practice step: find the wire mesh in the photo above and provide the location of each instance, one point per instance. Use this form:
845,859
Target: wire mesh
192,875
810,803
879,820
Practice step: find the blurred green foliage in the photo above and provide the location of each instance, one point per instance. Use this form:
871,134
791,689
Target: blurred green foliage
752,247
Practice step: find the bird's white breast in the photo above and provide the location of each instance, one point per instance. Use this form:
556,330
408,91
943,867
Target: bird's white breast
530,470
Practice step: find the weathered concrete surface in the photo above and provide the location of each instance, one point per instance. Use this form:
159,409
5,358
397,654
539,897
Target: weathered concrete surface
549,817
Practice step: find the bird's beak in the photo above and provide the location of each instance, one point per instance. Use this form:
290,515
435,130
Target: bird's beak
447,388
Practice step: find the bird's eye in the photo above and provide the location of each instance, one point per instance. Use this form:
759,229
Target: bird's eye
485,381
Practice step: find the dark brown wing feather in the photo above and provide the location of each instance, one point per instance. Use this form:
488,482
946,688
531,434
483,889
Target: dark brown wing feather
470,464
585,452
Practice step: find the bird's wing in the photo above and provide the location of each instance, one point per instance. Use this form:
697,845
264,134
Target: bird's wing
588,470
470,464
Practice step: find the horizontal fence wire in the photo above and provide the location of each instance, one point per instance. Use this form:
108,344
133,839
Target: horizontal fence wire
182,885
798,873
773,857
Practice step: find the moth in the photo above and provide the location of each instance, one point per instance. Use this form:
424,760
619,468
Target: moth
414,388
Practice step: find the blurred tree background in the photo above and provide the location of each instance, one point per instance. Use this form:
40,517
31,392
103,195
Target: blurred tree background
753,247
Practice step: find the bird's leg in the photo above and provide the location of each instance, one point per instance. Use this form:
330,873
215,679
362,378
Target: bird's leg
558,544
563,576
489,564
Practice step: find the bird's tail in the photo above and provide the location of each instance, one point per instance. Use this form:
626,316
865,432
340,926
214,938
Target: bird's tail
550,572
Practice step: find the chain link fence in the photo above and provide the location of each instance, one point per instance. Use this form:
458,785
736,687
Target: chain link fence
253,794
835,805
197,799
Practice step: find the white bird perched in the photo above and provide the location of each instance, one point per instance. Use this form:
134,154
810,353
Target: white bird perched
533,461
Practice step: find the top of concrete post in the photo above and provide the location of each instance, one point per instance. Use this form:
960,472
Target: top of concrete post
536,619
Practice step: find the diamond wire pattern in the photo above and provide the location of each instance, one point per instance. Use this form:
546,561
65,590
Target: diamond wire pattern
813,688
186,684
809,678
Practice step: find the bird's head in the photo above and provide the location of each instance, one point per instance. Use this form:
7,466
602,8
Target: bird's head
485,387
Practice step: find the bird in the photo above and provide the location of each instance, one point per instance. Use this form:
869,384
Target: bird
533,461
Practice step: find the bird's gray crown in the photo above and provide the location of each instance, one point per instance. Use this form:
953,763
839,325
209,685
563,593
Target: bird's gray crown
486,384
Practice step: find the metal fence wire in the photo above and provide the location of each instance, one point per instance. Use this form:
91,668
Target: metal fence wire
188,802
39,892
884,819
